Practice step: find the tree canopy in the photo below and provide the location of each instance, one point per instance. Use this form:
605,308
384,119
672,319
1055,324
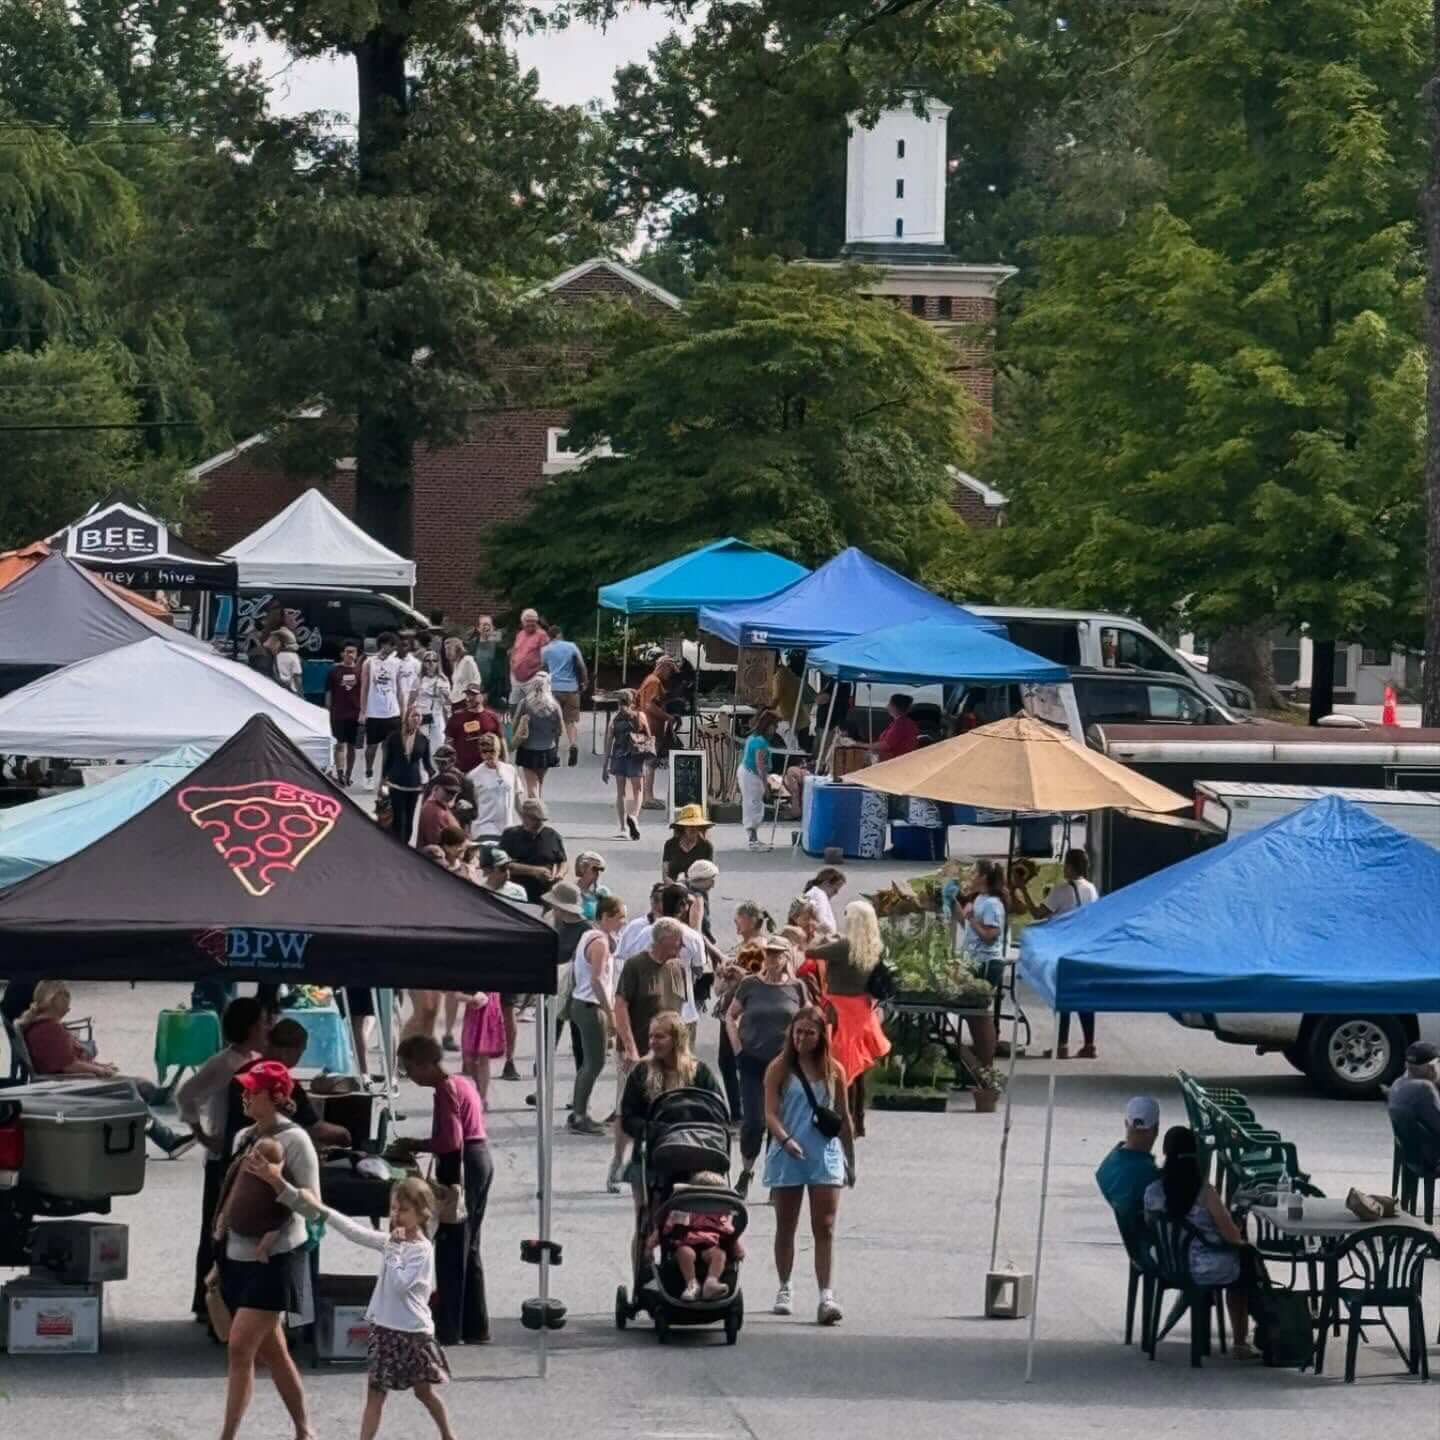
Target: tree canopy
782,406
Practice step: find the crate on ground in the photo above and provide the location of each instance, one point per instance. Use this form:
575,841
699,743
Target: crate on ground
80,1252
43,1318
342,1333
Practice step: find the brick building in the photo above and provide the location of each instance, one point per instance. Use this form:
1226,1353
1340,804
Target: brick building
461,492
895,221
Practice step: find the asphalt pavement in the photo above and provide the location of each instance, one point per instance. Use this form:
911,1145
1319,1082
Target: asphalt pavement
914,1355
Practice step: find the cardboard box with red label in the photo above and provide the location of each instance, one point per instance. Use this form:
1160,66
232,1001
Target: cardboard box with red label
43,1318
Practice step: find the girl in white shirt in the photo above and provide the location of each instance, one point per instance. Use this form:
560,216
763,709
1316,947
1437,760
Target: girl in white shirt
820,892
402,1353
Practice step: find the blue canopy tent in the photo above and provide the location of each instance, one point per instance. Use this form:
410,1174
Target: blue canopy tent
1326,911
724,572
847,596
931,651
36,836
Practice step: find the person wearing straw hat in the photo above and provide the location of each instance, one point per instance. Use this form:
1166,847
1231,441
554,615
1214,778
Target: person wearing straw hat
689,841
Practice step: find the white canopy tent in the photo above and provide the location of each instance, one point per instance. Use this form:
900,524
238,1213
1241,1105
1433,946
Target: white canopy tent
138,701
311,543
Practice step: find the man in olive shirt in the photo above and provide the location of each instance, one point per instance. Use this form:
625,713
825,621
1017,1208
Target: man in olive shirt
650,984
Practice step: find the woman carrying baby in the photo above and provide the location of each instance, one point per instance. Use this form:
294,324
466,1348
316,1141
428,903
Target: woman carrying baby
263,1272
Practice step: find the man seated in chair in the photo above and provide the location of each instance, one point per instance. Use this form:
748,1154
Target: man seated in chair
1129,1169
1415,1096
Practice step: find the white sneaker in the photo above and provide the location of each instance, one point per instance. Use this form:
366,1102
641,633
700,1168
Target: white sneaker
691,1291
759,847
784,1301
829,1312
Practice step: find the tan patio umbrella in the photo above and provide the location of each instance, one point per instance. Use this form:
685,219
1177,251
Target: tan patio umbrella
1018,764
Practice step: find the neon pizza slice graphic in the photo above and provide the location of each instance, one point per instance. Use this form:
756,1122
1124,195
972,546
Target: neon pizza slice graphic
262,830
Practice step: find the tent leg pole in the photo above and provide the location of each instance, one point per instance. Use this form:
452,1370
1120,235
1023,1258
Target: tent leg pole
625,654
1005,1131
594,682
829,719
544,1091
1044,1196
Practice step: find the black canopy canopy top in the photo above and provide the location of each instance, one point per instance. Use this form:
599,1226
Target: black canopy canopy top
131,547
257,868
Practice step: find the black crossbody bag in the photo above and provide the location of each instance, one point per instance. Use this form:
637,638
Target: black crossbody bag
827,1121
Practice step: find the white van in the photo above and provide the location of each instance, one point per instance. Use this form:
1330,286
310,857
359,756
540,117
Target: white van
1348,1056
1095,640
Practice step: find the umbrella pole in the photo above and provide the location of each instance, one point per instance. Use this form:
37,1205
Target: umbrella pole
1044,1196
1005,1132
594,680
625,653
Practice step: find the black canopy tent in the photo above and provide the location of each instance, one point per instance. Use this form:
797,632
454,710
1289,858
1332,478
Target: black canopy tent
128,545
258,868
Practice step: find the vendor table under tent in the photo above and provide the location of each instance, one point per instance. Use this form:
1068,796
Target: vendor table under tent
1345,924
246,870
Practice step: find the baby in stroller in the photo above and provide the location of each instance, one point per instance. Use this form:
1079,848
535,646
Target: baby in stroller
700,1238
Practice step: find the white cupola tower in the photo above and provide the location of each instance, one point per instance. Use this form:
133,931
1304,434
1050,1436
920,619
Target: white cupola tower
895,175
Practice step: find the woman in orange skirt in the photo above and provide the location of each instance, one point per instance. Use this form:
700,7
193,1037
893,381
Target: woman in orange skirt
843,965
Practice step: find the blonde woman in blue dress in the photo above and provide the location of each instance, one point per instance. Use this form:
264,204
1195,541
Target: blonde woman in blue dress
804,1089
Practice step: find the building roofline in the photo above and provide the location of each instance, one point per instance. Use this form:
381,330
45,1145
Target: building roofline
600,262
200,471
993,499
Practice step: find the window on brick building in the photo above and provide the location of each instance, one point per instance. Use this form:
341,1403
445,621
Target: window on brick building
947,307
899,189
899,228
917,304
899,149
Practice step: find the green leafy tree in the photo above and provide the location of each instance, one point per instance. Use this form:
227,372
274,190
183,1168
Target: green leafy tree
66,417
783,406
1226,398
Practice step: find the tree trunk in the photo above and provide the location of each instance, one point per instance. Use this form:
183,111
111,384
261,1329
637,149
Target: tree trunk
1322,679
1243,654
1430,683
384,441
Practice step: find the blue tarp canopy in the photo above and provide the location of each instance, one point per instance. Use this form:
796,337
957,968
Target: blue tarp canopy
36,836
847,596
931,652
718,574
1325,911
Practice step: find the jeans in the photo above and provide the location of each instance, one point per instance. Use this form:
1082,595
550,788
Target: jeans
458,1304
1087,1026
730,1074
589,1020
403,805
752,1106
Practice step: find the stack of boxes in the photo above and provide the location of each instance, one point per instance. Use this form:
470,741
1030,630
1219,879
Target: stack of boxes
57,1308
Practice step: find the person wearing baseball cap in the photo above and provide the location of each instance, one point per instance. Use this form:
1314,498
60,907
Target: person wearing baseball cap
261,1293
537,853
1128,1170
1415,1099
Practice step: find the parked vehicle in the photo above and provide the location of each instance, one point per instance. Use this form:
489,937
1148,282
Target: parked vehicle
323,620
1095,640
1347,1056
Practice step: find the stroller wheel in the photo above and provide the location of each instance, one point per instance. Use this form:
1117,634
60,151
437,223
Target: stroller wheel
622,1308
734,1319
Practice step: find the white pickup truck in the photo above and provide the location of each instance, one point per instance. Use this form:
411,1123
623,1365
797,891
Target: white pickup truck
1347,1056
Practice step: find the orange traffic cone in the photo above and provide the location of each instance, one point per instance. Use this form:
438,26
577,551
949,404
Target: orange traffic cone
1387,711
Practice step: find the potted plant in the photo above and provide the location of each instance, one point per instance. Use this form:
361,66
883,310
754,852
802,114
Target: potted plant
989,1086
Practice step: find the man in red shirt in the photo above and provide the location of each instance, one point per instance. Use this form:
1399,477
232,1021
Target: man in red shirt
465,727
342,699
525,650
438,814
901,735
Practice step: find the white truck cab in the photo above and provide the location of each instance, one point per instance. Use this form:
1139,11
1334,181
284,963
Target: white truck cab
1347,1056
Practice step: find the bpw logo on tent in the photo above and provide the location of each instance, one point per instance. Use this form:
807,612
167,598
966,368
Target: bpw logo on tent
118,533
259,949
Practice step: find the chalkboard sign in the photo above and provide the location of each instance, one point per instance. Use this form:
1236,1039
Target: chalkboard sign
687,779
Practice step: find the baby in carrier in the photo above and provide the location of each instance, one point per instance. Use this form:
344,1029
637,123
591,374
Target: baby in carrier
249,1206
696,1239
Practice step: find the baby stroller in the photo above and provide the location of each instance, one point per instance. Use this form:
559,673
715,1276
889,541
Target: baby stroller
686,1132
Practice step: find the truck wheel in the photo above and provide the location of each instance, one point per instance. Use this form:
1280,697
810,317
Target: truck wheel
1351,1056
1296,1055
